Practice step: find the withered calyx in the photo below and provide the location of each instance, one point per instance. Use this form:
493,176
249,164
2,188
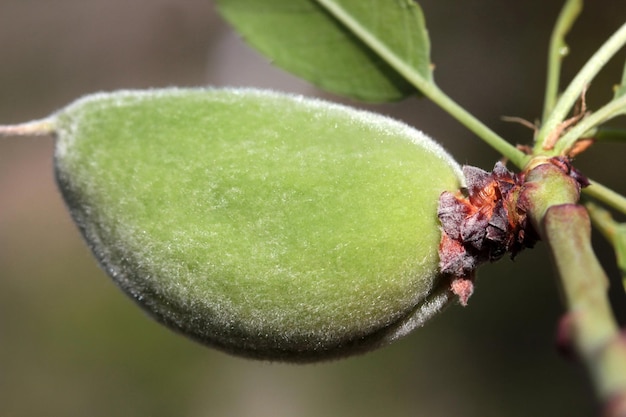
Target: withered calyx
485,221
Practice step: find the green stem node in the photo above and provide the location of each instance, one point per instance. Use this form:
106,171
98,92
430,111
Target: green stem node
546,185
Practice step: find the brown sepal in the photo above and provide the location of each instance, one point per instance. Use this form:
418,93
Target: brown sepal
481,225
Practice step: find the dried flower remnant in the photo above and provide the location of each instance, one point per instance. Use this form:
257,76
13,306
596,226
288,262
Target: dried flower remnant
488,219
564,164
481,225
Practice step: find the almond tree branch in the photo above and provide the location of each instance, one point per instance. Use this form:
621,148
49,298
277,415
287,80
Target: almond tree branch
550,198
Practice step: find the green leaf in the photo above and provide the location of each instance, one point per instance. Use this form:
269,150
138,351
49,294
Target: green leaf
266,225
303,37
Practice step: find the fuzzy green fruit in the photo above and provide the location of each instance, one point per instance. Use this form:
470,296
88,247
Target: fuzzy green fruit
266,225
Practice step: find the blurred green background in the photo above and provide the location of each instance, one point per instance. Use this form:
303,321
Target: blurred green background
71,344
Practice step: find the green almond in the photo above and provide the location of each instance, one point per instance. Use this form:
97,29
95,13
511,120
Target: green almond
266,225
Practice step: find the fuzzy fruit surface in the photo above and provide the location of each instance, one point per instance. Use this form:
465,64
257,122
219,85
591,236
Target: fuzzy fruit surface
266,225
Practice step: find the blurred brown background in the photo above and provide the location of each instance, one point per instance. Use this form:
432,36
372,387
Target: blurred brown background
71,344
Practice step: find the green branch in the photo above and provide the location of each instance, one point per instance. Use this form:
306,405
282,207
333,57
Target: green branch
612,109
427,87
579,83
558,50
593,329
550,198
608,134
607,196
613,231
